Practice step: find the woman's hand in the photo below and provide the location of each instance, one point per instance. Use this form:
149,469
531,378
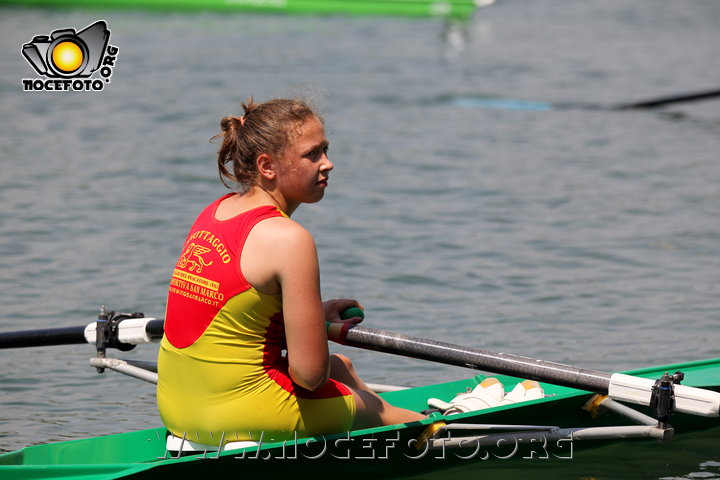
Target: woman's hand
334,307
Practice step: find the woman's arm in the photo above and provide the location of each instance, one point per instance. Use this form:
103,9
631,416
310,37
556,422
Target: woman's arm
305,332
280,256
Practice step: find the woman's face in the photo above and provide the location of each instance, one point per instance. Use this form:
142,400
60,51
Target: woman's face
304,169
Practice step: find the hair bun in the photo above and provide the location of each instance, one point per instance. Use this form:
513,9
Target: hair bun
232,123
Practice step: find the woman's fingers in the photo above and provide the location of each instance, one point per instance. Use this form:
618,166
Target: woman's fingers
343,310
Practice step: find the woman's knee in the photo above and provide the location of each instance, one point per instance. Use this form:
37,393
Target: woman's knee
340,360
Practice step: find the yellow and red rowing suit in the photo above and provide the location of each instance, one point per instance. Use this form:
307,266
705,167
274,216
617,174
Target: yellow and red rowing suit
221,369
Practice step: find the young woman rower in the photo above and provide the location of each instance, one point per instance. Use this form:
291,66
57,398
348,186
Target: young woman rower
246,288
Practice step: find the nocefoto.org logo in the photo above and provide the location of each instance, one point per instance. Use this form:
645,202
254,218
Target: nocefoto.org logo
68,59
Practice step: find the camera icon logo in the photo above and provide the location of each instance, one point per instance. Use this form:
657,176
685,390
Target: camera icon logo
67,59
66,53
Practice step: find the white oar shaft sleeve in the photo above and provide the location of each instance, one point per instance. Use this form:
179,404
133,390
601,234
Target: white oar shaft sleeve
131,330
696,401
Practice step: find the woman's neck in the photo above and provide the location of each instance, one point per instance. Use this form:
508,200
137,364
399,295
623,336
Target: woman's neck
262,195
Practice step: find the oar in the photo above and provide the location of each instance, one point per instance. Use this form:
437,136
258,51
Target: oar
128,330
618,386
662,101
518,104
43,337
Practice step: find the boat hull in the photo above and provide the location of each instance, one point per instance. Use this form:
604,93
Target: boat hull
385,452
411,8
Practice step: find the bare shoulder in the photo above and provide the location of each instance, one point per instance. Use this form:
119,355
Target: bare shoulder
282,228
277,249
282,234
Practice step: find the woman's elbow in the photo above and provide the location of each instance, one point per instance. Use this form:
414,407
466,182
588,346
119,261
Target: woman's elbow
309,381
317,385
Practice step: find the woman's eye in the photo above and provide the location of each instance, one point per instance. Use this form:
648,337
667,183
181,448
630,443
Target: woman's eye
316,153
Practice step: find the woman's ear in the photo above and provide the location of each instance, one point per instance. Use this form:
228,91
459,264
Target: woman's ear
266,166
